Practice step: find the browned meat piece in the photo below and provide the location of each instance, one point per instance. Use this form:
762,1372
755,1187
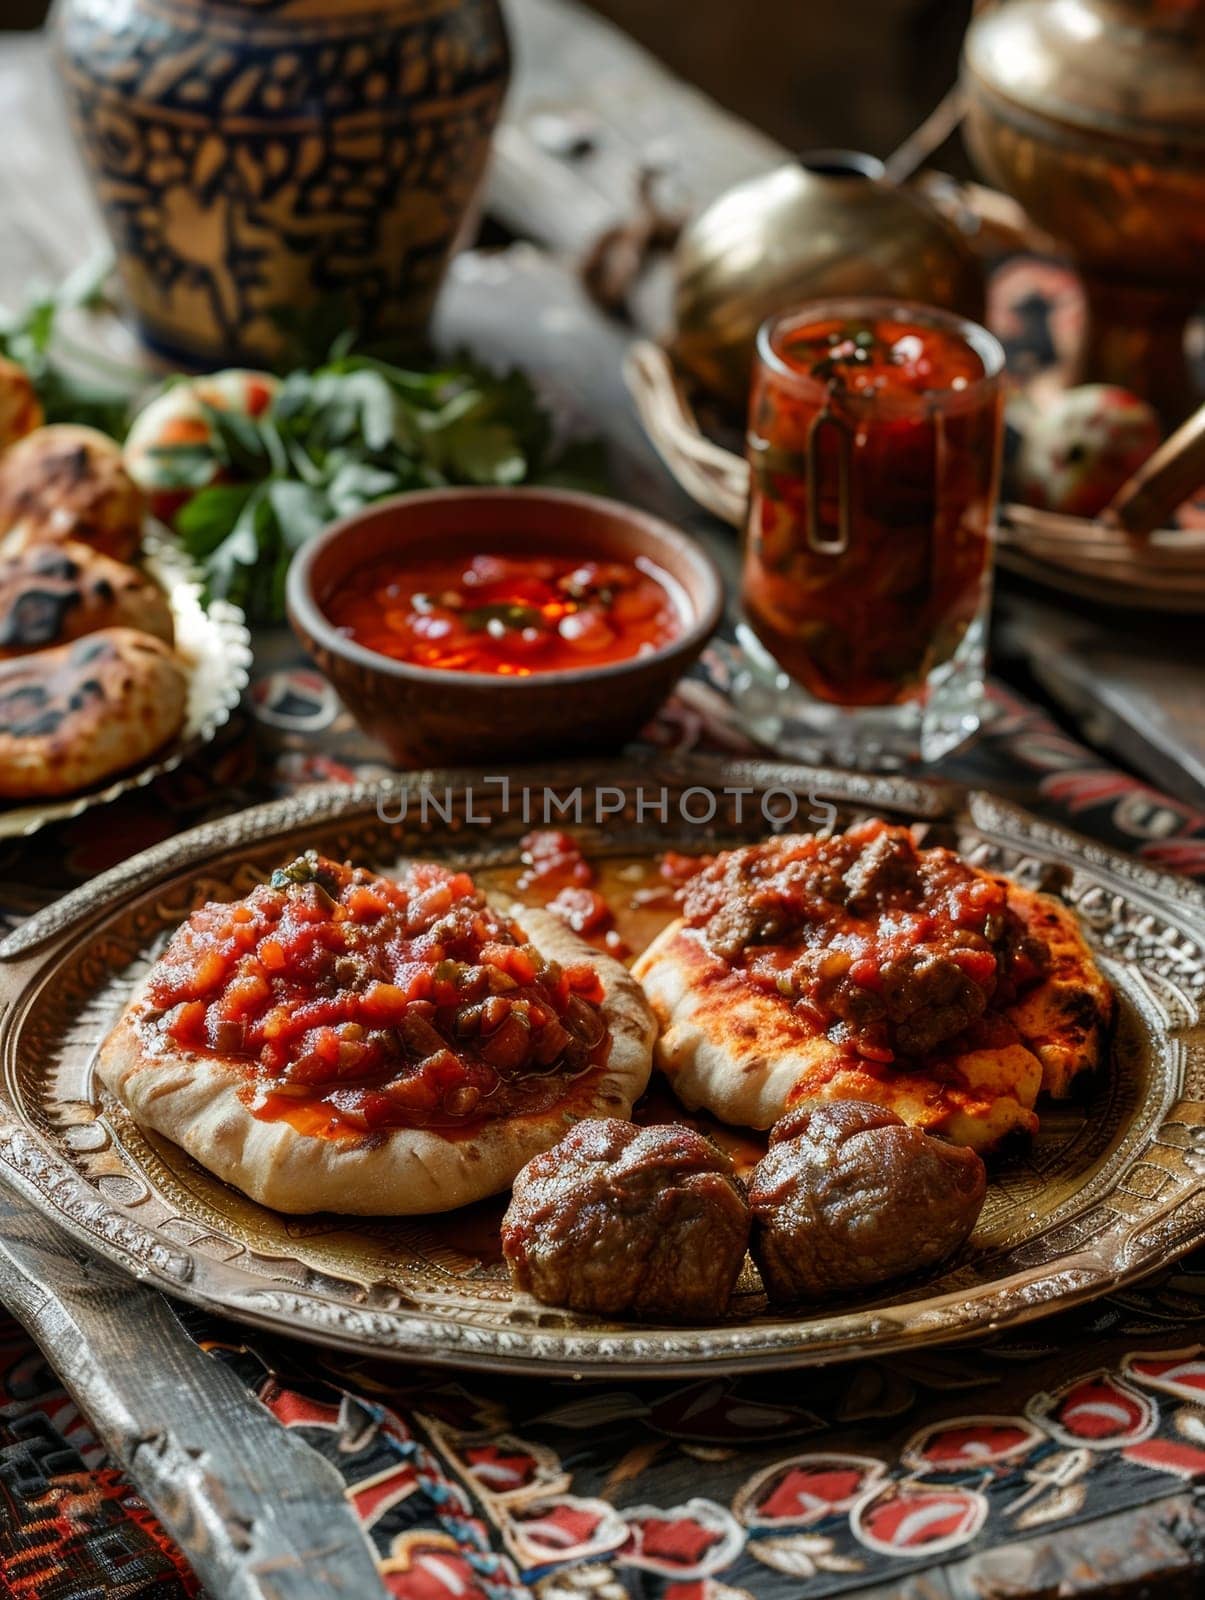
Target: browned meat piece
849,1196
929,998
751,915
625,1221
740,902
885,867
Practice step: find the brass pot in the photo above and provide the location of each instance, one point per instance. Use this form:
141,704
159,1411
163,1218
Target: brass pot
1091,114
828,225
262,163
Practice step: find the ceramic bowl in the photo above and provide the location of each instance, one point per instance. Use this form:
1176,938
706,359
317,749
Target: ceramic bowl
423,715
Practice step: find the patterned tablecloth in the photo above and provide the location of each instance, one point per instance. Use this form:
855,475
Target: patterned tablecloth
809,1485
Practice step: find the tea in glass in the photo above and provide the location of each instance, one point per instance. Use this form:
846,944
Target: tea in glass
874,447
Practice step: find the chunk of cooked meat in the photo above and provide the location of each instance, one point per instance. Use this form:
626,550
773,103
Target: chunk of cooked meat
929,998
888,865
848,1196
887,948
625,1221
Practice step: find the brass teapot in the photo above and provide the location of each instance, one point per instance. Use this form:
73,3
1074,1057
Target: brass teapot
827,225
1091,114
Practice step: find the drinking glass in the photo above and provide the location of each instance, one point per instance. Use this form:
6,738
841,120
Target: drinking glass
874,448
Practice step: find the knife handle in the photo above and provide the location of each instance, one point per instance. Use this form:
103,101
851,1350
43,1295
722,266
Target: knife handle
257,1512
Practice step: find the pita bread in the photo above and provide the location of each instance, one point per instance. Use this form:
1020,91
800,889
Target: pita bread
68,482
74,715
862,967
1065,1019
53,593
745,1056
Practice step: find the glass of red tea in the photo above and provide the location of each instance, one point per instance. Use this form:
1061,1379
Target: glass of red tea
874,448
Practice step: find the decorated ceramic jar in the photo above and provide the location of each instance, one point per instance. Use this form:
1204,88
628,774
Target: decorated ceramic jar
265,165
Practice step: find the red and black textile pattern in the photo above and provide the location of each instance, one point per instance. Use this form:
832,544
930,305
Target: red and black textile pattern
71,1527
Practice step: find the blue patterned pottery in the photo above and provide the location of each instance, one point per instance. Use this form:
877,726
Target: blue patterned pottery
260,161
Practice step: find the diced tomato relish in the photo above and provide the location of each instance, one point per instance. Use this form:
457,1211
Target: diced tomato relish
589,915
584,910
889,949
406,1002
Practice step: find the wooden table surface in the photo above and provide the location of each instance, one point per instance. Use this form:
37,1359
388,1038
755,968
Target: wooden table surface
587,110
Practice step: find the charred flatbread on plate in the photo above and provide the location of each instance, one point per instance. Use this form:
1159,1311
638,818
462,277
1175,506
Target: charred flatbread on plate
69,482
76,714
341,1041
53,593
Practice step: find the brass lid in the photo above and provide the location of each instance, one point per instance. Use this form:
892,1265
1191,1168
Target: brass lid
1131,68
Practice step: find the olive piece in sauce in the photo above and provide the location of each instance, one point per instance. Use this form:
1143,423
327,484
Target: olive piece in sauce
849,1196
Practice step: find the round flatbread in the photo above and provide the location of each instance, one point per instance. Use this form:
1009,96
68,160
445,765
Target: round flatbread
53,593
1065,1017
68,482
78,713
864,968
203,1101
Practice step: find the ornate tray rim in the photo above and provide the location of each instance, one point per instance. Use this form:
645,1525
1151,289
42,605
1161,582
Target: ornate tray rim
31,1165
229,643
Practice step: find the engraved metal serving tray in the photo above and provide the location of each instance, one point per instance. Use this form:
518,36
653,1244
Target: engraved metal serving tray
1113,1186
214,646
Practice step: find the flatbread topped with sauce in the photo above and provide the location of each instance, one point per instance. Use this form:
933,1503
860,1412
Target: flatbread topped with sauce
861,967
342,1041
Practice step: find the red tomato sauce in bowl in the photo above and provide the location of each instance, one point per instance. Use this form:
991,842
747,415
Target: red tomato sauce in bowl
508,613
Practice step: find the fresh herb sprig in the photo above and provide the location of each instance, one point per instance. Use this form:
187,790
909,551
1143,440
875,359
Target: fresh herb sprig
73,382
337,438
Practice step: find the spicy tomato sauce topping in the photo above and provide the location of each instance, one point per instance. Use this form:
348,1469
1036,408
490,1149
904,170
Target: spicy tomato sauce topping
394,1003
554,866
511,614
886,948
